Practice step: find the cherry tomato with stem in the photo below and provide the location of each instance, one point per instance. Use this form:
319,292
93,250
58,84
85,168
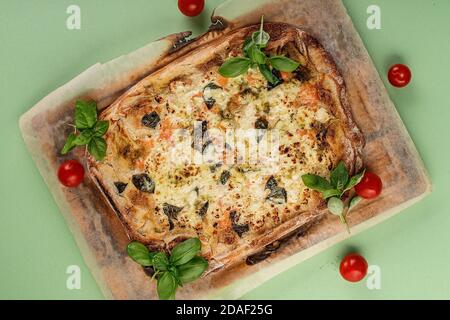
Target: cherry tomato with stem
370,186
353,267
191,8
399,75
71,173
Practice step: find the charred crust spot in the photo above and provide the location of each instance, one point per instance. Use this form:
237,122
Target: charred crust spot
302,74
181,42
183,79
325,96
261,123
321,134
249,91
284,150
190,171
276,31
130,153
227,237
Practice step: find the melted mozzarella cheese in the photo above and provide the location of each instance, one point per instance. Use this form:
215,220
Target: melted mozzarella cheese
238,105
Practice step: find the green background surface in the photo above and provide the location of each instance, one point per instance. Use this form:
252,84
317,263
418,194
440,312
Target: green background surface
38,54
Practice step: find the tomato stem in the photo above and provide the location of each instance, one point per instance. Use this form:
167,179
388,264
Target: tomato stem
344,221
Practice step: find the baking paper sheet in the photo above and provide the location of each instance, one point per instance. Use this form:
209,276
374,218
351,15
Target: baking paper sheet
98,231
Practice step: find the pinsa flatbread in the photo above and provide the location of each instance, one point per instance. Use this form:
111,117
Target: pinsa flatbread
174,169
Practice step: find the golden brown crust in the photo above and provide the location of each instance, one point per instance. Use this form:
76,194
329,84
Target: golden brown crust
343,138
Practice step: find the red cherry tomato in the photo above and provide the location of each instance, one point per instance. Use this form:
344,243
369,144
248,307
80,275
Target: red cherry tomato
370,186
71,173
399,75
191,8
353,267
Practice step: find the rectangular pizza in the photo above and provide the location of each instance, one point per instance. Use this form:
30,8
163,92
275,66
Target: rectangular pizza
194,154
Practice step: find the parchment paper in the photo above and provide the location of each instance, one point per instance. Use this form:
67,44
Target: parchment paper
98,232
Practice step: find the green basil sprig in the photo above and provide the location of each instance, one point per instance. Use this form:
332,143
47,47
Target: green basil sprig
234,67
89,131
140,253
333,190
182,266
254,56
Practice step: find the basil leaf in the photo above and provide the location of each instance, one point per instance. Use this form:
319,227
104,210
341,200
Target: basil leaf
152,255
139,253
316,182
185,251
267,73
97,147
85,114
192,270
339,176
176,274
354,180
70,143
100,128
330,193
160,261
166,286
84,137
284,64
260,37
256,55
246,46
355,200
336,206
234,67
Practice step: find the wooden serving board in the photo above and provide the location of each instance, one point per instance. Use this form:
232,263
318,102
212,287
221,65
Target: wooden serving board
102,239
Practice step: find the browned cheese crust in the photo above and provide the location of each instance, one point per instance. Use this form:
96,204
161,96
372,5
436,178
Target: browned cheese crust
228,206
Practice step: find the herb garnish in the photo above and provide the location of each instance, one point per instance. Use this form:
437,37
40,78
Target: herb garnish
88,130
333,190
254,56
182,266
